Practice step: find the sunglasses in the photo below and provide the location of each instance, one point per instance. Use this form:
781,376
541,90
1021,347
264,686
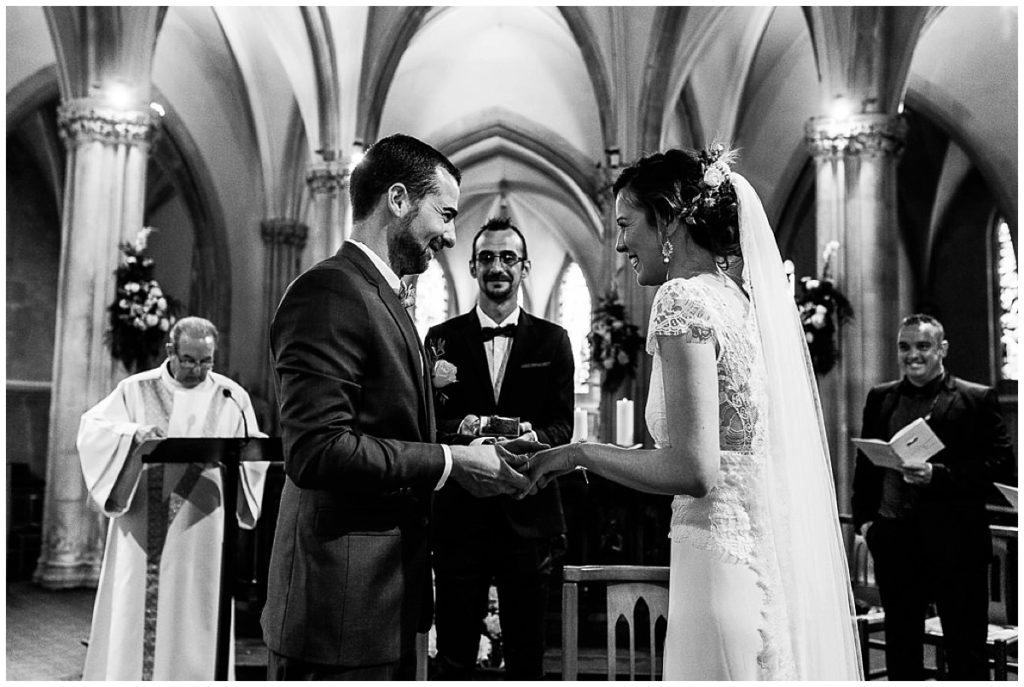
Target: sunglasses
507,257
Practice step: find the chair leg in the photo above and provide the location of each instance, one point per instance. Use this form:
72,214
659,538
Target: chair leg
865,646
1001,657
570,630
940,661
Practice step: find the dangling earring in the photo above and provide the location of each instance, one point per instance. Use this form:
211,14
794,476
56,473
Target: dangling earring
666,251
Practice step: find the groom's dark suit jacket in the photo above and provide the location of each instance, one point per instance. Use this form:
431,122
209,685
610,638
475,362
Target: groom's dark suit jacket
349,581
978,450
537,388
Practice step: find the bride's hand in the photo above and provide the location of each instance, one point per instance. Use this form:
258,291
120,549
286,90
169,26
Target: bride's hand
545,466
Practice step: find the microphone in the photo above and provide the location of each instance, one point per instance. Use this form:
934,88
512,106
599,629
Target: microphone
245,423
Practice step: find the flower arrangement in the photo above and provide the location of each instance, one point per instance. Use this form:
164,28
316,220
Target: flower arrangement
141,313
822,307
614,342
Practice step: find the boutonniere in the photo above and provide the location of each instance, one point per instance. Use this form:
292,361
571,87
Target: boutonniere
443,372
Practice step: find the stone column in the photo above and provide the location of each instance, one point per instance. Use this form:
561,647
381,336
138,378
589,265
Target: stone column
856,205
328,189
283,241
104,200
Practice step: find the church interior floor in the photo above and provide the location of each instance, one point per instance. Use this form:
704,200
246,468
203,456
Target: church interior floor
46,631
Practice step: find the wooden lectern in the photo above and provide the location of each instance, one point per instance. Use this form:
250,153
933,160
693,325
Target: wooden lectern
228,454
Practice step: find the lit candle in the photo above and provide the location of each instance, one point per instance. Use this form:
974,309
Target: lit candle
579,425
624,422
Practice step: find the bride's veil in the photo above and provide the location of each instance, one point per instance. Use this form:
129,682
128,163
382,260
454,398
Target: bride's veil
801,499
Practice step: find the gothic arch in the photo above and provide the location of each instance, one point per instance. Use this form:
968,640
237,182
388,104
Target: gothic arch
654,93
378,83
590,49
178,156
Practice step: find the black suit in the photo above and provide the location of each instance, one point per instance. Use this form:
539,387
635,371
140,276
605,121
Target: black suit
939,549
349,579
499,538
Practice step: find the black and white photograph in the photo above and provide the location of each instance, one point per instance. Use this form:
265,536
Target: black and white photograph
511,342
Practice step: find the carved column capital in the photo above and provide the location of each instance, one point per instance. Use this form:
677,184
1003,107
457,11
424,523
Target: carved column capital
327,180
284,232
857,135
84,120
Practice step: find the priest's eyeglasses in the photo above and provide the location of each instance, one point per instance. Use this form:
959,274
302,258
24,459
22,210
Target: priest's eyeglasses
191,363
507,257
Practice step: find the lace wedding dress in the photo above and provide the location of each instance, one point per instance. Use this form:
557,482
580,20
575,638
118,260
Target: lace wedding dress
759,585
724,622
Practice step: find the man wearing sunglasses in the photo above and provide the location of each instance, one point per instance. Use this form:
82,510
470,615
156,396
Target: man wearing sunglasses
509,364
154,617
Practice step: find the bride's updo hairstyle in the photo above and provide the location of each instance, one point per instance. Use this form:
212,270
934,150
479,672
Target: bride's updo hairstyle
690,186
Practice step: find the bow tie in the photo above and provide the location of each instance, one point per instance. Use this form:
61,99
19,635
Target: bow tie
489,333
407,294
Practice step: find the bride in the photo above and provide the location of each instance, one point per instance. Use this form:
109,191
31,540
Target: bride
759,585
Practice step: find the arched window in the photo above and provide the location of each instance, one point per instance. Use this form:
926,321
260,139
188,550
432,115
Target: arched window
1006,274
574,309
431,298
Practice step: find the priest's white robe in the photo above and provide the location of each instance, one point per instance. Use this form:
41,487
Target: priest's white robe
155,616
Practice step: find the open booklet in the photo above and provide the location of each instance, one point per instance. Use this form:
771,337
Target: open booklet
1009,493
913,444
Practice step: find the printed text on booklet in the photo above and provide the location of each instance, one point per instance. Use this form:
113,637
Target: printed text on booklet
915,443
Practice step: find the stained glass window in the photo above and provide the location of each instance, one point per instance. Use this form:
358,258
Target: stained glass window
1007,266
574,314
431,298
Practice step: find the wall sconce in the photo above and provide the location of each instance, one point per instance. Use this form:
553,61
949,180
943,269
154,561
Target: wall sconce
117,95
613,157
840,108
358,150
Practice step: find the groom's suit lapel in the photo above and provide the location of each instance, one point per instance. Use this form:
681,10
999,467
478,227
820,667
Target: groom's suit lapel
413,347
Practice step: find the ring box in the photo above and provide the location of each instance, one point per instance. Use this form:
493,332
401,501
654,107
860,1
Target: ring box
498,426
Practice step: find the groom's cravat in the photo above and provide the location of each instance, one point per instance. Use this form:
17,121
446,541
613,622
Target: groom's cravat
407,294
488,333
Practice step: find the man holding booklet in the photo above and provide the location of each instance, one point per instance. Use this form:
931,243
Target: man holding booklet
931,446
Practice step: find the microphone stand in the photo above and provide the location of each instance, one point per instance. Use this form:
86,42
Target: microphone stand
231,475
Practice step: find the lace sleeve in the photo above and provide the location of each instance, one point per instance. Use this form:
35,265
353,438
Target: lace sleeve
680,310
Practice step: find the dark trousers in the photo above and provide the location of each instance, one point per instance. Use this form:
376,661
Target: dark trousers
911,573
284,668
464,571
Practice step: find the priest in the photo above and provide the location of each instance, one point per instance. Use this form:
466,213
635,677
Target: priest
155,616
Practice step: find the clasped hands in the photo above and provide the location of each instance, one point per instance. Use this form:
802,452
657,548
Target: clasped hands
518,467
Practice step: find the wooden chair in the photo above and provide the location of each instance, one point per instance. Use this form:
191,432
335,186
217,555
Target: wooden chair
627,586
1002,604
422,658
1002,608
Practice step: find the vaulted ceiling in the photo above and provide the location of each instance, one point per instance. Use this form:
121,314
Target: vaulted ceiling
533,102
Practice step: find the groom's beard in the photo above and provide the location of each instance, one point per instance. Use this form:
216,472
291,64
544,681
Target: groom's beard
406,254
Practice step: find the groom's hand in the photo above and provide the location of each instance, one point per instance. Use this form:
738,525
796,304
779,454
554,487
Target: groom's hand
522,444
484,471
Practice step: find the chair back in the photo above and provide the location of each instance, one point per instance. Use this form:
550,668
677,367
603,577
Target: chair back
1002,581
624,600
628,588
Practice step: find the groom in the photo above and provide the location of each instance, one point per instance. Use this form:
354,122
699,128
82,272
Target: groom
349,581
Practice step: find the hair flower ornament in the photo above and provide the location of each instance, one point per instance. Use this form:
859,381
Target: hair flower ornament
715,194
